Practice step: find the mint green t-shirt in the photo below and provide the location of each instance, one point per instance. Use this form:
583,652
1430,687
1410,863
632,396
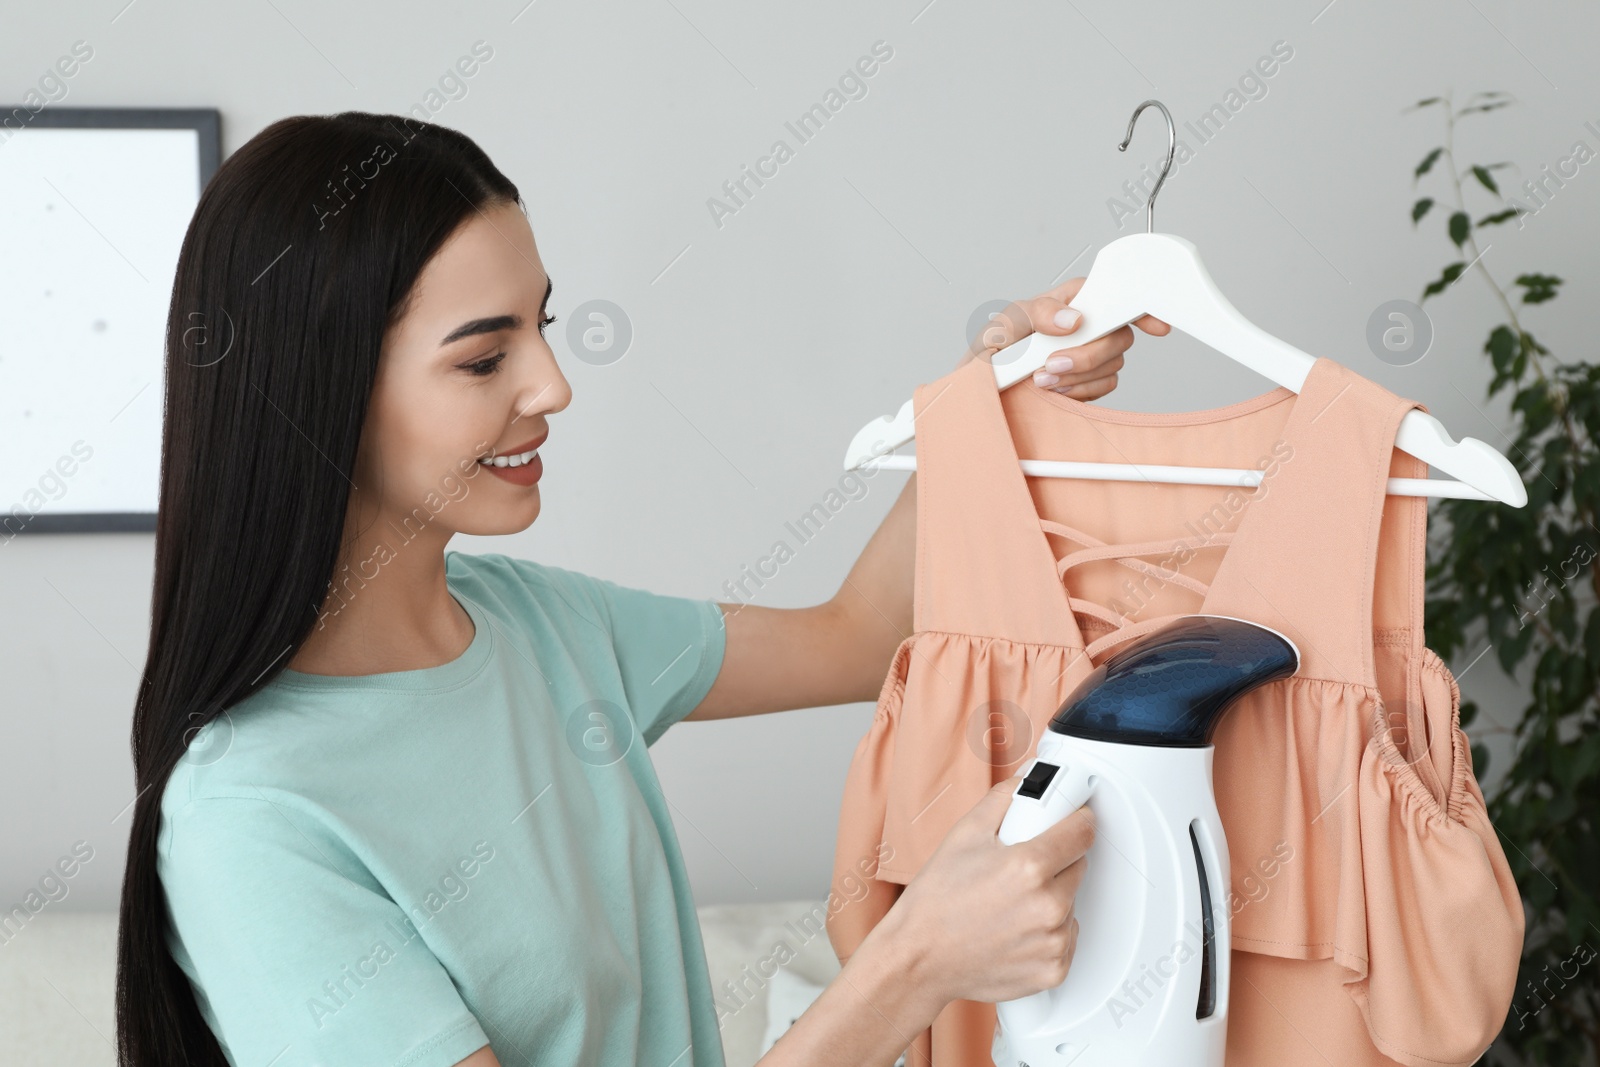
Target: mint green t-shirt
397,869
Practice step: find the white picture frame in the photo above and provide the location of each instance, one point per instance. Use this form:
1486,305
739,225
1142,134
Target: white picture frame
94,205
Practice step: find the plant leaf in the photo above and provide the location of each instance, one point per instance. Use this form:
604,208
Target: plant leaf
1480,759
1451,273
1540,287
1501,346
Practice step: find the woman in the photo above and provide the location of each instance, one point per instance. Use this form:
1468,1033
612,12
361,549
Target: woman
394,804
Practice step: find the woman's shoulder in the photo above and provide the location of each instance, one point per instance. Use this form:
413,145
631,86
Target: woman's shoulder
512,576
604,625
244,753
524,590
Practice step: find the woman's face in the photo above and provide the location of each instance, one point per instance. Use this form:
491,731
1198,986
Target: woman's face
465,375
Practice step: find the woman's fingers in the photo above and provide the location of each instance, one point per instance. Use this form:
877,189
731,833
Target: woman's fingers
1068,290
1042,314
1089,371
1152,325
1083,372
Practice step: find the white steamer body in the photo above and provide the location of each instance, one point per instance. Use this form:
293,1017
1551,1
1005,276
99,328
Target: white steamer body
1149,979
1133,992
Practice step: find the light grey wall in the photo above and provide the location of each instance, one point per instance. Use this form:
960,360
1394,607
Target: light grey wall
980,164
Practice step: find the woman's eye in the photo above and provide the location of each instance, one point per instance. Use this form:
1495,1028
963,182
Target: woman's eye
485,367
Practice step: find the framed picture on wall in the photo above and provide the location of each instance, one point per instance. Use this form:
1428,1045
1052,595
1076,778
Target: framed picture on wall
94,203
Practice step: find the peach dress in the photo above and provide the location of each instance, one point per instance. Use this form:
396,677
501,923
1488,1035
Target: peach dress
1375,920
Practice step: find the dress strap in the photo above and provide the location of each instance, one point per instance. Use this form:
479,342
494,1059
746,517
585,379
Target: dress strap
1128,633
1303,559
977,529
1127,554
1088,607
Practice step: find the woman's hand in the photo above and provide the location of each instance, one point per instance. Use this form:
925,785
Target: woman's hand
989,921
1083,373
982,921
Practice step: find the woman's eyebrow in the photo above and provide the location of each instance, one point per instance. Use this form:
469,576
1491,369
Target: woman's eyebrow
493,324
496,323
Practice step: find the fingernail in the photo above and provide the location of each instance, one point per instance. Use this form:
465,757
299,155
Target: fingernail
1058,364
1067,318
1045,380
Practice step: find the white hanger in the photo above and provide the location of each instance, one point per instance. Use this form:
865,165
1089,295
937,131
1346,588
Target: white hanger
1160,274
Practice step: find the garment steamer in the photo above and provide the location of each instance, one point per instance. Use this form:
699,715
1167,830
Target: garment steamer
1148,985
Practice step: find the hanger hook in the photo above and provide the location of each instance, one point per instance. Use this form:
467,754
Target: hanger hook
1172,146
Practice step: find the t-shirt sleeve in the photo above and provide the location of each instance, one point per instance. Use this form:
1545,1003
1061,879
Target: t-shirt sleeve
298,954
669,650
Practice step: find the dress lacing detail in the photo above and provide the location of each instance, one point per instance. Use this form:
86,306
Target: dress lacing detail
1123,628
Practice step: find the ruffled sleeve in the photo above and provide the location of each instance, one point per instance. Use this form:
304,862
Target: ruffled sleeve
956,714
858,899
1444,921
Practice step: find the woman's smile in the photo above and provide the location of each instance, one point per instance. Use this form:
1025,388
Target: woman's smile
520,466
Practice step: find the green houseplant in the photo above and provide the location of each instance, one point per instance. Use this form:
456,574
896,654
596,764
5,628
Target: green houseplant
1523,583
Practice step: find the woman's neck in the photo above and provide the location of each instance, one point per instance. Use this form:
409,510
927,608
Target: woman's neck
387,610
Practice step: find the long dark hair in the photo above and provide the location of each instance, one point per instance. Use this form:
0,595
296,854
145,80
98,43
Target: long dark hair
303,250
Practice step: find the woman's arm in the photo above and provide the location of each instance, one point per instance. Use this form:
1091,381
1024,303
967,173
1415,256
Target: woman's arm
871,1010
833,653
836,653
981,921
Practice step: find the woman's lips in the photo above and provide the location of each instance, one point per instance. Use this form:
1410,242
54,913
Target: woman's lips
527,474
523,473
526,446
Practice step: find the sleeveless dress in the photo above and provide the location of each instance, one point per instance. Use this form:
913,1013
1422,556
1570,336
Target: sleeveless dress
1375,919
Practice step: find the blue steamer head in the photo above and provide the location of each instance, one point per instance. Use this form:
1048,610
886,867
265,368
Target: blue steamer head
1171,687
